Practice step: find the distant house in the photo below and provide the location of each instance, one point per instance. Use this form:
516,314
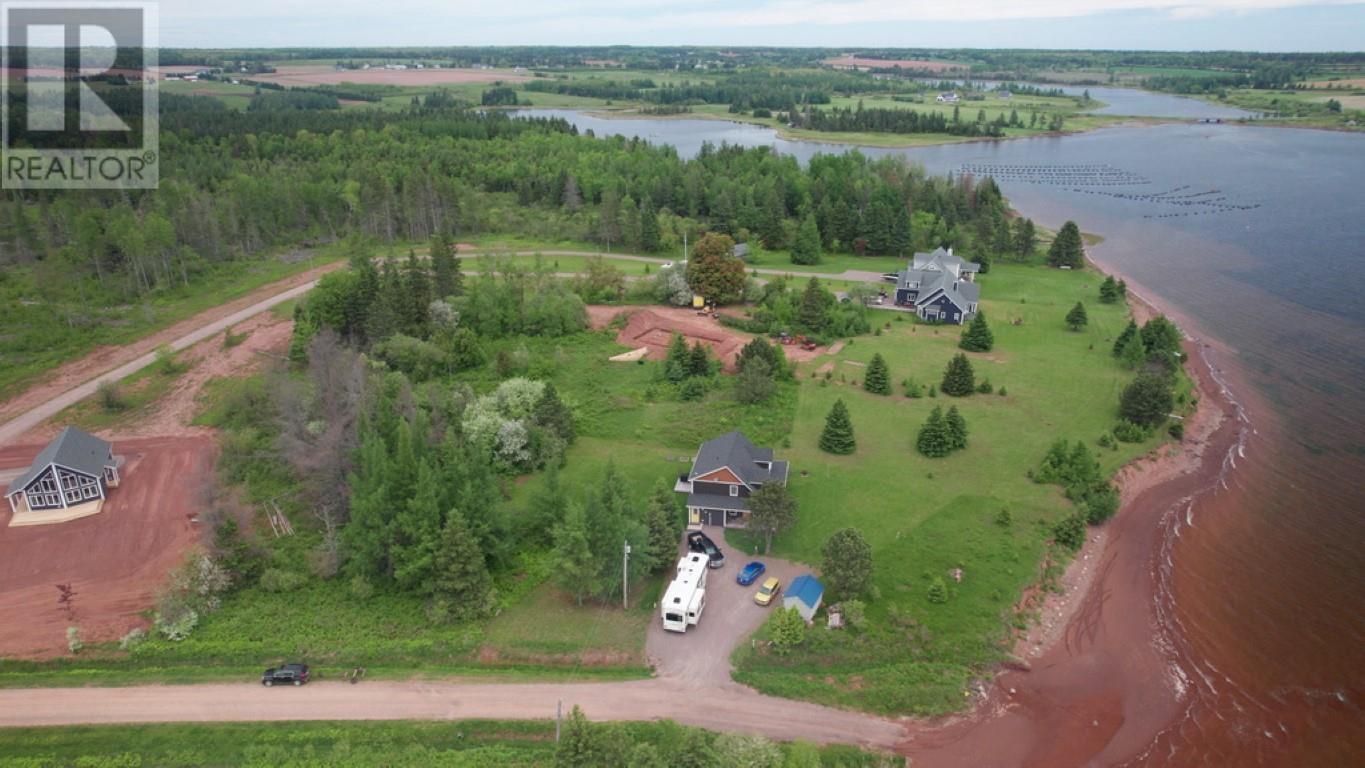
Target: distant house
947,98
740,251
805,594
73,469
724,473
939,286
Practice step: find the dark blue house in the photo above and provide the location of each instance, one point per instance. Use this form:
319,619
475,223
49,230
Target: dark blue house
940,287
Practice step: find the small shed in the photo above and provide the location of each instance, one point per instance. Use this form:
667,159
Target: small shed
805,594
740,251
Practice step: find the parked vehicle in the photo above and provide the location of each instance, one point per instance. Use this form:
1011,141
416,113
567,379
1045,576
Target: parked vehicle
289,674
700,542
685,598
768,592
750,573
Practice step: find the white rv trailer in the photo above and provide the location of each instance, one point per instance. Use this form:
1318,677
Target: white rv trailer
685,598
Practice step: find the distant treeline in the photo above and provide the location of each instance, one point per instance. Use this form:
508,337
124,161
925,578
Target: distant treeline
879,120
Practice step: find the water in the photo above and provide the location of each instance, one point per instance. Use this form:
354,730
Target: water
1252,236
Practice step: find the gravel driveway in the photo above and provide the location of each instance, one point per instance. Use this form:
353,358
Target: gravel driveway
700,657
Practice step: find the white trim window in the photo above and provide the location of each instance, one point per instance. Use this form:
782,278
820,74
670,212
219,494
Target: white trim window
734,490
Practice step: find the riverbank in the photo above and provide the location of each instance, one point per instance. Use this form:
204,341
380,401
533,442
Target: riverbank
1106,674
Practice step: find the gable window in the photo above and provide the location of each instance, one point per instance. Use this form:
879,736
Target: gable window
734,490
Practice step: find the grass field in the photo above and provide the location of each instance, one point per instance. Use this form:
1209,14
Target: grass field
397,744
38,335
923,516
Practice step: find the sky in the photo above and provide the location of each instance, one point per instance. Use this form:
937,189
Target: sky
1263,25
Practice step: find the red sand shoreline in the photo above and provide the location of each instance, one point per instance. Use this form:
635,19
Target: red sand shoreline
1105,677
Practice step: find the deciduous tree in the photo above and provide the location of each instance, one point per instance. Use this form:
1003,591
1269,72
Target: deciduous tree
772,510
1147,400
713,270
847,565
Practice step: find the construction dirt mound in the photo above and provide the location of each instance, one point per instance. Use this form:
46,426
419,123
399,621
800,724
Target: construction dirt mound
653,327
115,561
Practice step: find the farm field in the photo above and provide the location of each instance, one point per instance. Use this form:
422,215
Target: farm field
322,74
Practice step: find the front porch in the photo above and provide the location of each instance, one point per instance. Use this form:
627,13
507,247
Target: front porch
698,517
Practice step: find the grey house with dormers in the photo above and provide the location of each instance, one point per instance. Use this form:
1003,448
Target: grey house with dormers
724,473
73,469
940,287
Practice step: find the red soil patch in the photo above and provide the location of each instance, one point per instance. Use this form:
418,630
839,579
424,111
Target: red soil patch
654,327
924,64
115,560
321,74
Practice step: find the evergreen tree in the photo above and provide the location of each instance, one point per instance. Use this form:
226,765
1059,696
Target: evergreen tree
579,746
958,379
847,567
1161,336
761,349
772,218
552,414
837,437
933,439
649,227
1025,238
549,506
877,379
677,360
609,218
1067,249
957,429
417,531
1123,289
699,360
806,246
446,278
416,298
460,583
814,312
665,522
575,565
1076,319
1133,354
1109,290
755,383
1147,400
630,223
978,336
386,313
772,510
1122,340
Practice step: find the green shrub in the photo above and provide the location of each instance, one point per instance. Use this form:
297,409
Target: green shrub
111,397
938,591
1128,432
1070,532
1177,430
280,580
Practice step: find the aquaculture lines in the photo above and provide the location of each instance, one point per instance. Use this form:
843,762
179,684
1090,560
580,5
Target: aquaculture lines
1083,179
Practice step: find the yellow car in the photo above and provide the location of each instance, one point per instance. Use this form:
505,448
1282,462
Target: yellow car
767,592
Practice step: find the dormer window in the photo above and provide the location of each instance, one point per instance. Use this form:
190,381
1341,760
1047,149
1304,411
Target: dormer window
764,464
734,490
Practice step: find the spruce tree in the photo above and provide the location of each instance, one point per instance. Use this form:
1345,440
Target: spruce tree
1025,238
1076,319
1109,290
699,360
978,336
461,583
575,565
445,268
416,297
933,440
837,437
1122,340
677,360
552,414
814,312
806,246
1133,354
664,520
957,429
877,380
958,380
649,227
1067,249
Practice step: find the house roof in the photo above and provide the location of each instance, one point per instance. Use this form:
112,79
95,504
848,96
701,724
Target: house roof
73,449
717,501
735,451
807,589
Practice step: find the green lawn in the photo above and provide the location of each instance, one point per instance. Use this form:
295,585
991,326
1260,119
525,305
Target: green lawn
923,516
397,744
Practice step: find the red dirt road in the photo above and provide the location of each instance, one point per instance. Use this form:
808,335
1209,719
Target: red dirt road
115,560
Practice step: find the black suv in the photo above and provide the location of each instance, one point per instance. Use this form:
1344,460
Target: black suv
700,542
296,674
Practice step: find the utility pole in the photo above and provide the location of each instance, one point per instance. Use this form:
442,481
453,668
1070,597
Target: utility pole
559,716
625,575
684,243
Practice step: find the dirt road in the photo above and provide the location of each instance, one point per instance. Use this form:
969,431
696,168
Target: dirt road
730,710
79,379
